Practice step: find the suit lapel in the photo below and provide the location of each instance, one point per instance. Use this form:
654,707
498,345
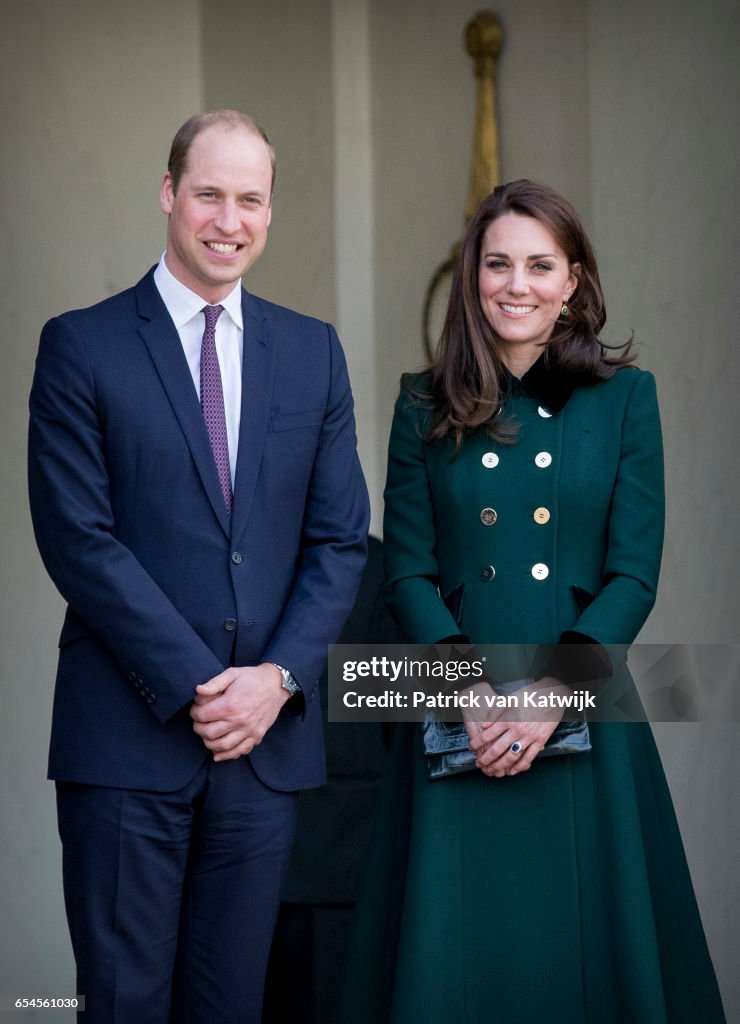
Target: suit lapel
161,338
258,373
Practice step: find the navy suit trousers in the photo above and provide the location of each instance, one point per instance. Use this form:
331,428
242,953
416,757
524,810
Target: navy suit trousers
172,897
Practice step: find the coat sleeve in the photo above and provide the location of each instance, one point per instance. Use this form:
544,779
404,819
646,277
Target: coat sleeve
99,577
334,543
636,524
409,535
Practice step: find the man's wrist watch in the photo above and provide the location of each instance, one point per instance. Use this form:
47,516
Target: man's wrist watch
289,681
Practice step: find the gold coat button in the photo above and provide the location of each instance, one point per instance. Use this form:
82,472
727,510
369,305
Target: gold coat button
540,571
541,515
488,516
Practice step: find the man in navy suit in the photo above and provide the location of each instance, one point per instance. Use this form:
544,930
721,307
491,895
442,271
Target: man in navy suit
198,501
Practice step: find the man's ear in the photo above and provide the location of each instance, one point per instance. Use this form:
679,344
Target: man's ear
166,194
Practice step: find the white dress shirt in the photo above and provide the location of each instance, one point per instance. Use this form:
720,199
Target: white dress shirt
186,310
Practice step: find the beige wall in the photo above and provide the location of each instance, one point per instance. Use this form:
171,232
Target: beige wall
370,107
664,199
666,206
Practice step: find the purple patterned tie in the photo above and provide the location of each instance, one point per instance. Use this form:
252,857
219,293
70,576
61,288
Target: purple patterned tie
212,401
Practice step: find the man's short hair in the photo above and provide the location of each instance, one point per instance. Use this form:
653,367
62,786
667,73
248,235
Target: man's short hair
187,133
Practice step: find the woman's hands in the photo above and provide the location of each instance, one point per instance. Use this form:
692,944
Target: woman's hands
493,738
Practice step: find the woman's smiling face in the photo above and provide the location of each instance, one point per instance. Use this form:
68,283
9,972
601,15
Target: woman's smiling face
524,277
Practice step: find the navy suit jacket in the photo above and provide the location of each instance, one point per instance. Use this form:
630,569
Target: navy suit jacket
163,589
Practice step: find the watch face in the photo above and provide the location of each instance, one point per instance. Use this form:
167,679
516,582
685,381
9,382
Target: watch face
289,682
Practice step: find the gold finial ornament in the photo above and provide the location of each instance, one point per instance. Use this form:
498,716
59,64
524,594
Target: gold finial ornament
483,39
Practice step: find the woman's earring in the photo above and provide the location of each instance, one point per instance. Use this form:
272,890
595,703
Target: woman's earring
564,309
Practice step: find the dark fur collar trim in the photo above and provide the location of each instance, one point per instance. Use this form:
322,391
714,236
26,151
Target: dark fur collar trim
551,384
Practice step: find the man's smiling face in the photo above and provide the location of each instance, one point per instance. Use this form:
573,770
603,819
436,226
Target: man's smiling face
219,216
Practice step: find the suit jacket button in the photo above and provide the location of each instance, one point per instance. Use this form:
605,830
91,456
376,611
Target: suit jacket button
488,516
236,557
541,516
487,574
540,571
230,624
490,460
543,459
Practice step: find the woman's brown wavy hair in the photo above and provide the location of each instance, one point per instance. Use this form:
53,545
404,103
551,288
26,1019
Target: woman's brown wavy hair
463,386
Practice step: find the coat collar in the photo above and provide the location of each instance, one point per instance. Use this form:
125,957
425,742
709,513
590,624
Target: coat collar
551,384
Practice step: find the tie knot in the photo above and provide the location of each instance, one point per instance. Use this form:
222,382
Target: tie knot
212,313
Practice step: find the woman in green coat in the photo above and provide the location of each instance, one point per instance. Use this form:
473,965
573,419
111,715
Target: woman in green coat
524,506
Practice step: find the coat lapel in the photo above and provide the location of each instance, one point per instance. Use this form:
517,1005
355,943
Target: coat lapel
258,373
161,338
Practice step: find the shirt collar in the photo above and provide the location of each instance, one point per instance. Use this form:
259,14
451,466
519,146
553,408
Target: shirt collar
183,304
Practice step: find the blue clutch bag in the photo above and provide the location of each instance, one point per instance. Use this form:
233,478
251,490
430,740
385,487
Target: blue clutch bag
446,743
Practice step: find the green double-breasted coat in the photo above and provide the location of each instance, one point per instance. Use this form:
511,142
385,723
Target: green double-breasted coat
562,893
560,531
